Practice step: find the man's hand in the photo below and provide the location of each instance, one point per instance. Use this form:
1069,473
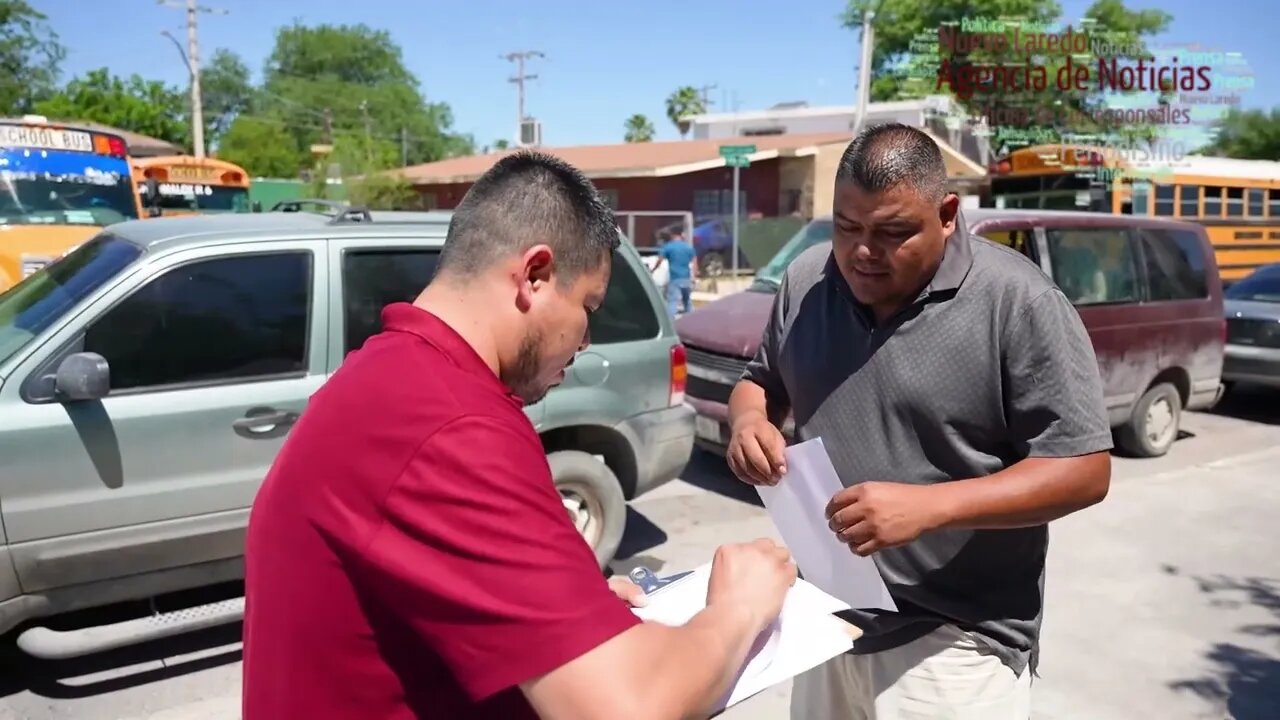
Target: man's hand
627,591
872,516
755,451
755,576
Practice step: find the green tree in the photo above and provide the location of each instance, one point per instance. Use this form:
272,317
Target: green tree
908,58
143,106
501,144
683,102
638,129
1247,134
345,84
262,147
226,91
30,56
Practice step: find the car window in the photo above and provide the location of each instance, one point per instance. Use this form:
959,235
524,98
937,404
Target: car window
1260,286
374,279
627,313
231,318
1174,261
1093,266
1019,240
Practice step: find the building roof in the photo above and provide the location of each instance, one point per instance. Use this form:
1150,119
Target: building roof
786,111
649,159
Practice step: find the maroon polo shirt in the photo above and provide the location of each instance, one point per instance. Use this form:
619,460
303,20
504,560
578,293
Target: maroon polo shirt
408,555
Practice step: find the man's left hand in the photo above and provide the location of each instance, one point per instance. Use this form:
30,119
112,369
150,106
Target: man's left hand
872,516
627,591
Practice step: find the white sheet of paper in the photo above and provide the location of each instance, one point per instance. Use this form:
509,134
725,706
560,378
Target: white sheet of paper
805,635
797,505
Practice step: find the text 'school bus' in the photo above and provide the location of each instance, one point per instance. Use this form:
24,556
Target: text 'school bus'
59,184
186,185
1237,201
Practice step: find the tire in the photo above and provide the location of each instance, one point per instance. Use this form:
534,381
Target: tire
711,264
600,511
1153,427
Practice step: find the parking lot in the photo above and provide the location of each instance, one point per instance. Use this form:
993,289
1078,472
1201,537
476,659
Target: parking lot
1162,602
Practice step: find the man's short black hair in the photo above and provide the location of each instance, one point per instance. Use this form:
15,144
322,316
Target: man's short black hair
527,198
885,156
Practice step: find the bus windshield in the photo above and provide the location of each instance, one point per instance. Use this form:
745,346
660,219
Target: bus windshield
1054,191
769,278
199,198
57,187
31,306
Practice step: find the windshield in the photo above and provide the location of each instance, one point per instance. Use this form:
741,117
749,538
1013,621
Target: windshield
200,198
55,187
1262,286
31,306
1064,191
770,276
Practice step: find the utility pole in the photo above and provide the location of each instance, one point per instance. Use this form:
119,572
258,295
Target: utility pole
193,66
368,133
404,147
864,71
518,58
328,126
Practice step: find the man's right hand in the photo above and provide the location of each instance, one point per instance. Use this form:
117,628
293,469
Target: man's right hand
755,451
754,575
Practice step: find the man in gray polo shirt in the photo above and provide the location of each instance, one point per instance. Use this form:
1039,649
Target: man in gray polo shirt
958,395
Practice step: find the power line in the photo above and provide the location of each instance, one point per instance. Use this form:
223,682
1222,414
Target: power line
518,58
192,59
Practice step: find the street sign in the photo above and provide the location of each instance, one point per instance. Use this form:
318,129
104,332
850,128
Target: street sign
727,151
737,161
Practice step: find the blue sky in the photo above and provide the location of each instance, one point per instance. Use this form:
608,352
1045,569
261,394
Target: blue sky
605,60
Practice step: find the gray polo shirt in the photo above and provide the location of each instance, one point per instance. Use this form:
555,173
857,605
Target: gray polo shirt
991,364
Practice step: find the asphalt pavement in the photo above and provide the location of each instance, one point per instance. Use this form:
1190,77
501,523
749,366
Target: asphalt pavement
1161,602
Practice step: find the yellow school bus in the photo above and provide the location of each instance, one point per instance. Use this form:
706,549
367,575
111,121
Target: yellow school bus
187,185
59,184
1237,201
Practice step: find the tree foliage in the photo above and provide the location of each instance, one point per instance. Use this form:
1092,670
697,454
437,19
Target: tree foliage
1248,134
226,91
144,106
683,102
908,59
30,57
261,146
638,129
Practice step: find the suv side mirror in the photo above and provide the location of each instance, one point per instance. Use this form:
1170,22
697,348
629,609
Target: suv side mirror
82,376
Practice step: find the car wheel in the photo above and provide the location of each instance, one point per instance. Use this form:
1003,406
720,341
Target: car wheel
593,498
1153,427
712,264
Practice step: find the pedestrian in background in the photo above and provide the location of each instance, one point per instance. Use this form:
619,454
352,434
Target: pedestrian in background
409,556
682,269
958,395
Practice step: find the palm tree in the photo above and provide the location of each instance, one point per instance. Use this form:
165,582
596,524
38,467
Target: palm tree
681,103
639,129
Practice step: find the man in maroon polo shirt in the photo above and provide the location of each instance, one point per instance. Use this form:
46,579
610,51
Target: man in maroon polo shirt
408,555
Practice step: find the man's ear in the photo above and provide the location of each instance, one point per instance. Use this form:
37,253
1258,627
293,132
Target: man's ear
947,213
535,272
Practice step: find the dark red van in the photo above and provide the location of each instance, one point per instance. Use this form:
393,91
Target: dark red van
1147,289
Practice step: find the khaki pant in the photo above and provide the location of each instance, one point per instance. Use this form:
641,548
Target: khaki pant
945,674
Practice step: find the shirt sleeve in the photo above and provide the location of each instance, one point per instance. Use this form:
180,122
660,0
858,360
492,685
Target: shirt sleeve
1053,390
478,559
762,369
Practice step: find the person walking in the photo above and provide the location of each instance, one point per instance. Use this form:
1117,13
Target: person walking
682,269
409,556
958,395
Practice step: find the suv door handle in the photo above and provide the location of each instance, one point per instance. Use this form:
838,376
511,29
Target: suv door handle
264,423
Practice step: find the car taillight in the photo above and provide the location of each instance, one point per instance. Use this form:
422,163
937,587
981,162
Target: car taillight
679,374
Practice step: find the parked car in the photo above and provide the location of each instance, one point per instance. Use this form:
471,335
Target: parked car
148,379
1252,309
1147,289
712,241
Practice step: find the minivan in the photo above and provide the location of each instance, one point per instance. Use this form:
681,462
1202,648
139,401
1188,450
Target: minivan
1147,289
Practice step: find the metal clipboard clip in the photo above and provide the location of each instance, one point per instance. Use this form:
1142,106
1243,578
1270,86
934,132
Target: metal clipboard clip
650,583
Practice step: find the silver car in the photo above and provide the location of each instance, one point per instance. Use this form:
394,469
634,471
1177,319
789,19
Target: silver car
1252,307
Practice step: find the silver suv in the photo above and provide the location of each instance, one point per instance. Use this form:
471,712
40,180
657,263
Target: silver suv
148,379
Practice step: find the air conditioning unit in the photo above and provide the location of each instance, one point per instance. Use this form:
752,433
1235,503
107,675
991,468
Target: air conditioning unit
530,132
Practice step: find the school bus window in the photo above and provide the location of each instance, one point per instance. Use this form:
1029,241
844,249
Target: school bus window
1164,200
1256,202
1275,202
1141,198
1213,201
1235,202
1189,200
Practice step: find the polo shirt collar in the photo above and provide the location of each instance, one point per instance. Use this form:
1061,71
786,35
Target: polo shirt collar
957,260
409,318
